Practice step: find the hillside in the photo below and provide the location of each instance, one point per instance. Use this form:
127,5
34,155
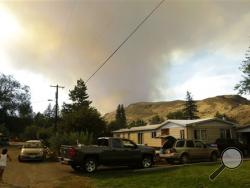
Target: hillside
233,106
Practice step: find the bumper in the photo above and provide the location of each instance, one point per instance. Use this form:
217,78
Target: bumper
170,155
31,157
65,161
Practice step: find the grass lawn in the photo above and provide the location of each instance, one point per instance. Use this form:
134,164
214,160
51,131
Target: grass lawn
195,176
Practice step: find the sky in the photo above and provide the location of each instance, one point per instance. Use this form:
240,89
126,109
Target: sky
194,45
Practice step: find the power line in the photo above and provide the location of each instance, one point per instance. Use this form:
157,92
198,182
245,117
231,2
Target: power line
126,39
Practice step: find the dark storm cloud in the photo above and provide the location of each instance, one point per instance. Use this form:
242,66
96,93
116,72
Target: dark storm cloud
68,40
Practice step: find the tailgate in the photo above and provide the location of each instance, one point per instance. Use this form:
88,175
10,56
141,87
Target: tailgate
64,151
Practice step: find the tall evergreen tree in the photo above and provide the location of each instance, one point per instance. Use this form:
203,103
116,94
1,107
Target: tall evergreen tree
190,109
120,117
244,86
79,116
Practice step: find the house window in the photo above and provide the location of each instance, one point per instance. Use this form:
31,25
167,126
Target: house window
200,134
182,134
225,133
140,138
153,134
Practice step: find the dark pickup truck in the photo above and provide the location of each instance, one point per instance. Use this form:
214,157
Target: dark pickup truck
108,152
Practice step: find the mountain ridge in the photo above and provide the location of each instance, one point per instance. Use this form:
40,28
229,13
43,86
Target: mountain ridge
233,106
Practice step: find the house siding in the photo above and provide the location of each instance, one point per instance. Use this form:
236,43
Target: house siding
212,130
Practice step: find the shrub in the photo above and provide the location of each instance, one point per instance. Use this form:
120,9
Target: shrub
72,138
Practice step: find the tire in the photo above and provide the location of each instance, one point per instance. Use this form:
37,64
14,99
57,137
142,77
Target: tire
184,159
75,167
147,161
169,161
90,165
19,159
214,157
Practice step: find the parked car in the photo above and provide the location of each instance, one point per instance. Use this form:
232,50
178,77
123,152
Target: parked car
187,150
222,144
109,152
32,150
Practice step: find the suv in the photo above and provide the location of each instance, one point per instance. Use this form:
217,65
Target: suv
187,150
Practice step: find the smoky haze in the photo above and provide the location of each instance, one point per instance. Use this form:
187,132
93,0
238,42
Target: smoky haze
68,40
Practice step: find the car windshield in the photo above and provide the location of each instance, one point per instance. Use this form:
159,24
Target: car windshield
32,145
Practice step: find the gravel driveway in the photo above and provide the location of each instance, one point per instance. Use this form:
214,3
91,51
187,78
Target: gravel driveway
41,174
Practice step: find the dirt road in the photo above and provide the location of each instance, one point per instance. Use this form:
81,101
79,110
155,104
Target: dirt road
41,175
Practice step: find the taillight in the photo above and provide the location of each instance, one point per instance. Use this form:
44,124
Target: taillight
71,152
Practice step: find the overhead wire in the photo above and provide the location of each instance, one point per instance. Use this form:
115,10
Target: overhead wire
126,39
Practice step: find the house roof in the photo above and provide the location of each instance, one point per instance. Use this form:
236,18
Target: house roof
243,129
183,123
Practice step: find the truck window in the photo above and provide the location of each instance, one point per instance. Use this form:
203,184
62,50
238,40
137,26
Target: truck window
116,143
102,142
128,144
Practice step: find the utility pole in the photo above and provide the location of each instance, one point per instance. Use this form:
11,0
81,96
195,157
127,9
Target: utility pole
56,110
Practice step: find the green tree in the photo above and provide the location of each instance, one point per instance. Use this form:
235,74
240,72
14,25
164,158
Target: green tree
176,115
14,98
137,123
15,106
156,120
244,86
120,117
190,109
79,116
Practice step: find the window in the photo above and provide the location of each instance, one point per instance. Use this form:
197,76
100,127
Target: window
225,133
182,134
128,144
128,135
180,143
153,134
228,134
140,138
200,134
102,142
117,143
190,144
199,144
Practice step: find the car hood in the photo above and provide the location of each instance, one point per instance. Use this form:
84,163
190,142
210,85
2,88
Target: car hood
32,150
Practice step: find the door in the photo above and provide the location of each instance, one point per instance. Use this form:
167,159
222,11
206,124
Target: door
132,153
113,155
202,152
191,149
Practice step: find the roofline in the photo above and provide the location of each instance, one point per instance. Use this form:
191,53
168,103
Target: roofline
169,120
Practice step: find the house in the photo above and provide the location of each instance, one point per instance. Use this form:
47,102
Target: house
244,134
206,130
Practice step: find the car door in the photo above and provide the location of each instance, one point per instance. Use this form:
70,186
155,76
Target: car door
132,153
113,155
201,151
191,149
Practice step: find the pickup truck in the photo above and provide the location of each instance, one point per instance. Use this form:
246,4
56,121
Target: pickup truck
108,151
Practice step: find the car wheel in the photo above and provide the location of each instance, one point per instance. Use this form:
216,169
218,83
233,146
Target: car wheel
90,165
147,162
185,159
214,157
19,159
75,167
170,161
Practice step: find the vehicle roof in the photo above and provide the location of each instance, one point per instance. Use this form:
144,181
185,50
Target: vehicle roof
30,141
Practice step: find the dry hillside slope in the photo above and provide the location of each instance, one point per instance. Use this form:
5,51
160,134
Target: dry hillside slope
233,106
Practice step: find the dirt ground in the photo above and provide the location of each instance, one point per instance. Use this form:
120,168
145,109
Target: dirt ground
41,174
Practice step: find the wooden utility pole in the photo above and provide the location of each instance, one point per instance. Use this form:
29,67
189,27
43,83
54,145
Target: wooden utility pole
56,109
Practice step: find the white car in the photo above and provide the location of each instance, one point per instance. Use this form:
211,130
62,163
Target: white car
32,150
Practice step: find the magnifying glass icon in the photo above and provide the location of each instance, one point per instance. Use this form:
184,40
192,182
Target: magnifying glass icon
231,158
